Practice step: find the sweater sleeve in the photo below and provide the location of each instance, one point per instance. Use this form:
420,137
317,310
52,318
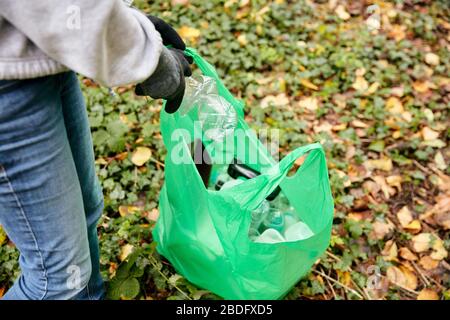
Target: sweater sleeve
103,39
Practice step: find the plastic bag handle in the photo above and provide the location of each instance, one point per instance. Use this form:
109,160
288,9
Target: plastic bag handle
208,70
273,176
278,172
287,162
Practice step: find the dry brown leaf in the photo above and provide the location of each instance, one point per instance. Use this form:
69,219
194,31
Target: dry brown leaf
428,263
179,2
439,251
421,86
425,241
372,187
387,190
390,251
402,276
439,161
394,105
340,127
153,214
406,254
404,216
310,103
359,124
427,294
141,156
323,127
344,176
441,211
360,84
421,242
341,12
381,229
398,91
383,163
395,181
280,100
432,59
429,134
397,32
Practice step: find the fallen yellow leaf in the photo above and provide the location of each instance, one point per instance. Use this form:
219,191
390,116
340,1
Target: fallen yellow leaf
126,210
421,86
125,251
432,59
404,216
394,105
406,254
372,89
440,161
189,33
384,164
390,251
242,39
427,294
153,215
308,84
421,242
381,229
429,134
310,103
414,226
341,12
397,32
360,84
395,181
428,263
402,276
280,100
141,156
359,124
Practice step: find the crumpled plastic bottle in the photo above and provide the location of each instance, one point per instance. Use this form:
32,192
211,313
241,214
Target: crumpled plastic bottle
217,116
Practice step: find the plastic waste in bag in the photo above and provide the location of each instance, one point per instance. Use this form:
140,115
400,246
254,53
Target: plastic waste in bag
217,116
274,220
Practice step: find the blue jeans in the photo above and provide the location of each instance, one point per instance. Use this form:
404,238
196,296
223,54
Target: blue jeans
50,197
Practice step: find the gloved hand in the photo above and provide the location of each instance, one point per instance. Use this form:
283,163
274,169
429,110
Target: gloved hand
167,81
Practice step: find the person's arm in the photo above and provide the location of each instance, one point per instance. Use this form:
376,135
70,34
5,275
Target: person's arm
101,39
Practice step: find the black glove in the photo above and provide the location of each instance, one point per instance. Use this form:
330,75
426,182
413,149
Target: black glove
167,81
168,35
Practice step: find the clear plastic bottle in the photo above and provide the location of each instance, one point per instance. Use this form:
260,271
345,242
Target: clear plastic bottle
217,116
258,216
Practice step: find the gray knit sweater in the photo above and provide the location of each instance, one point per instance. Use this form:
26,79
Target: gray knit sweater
102,39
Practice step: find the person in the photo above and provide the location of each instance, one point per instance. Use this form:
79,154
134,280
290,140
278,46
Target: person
50,197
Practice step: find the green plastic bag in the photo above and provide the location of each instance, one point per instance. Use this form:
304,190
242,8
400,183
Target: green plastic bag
204,233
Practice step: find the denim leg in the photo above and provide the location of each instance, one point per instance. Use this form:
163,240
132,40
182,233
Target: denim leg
41,202
80,140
